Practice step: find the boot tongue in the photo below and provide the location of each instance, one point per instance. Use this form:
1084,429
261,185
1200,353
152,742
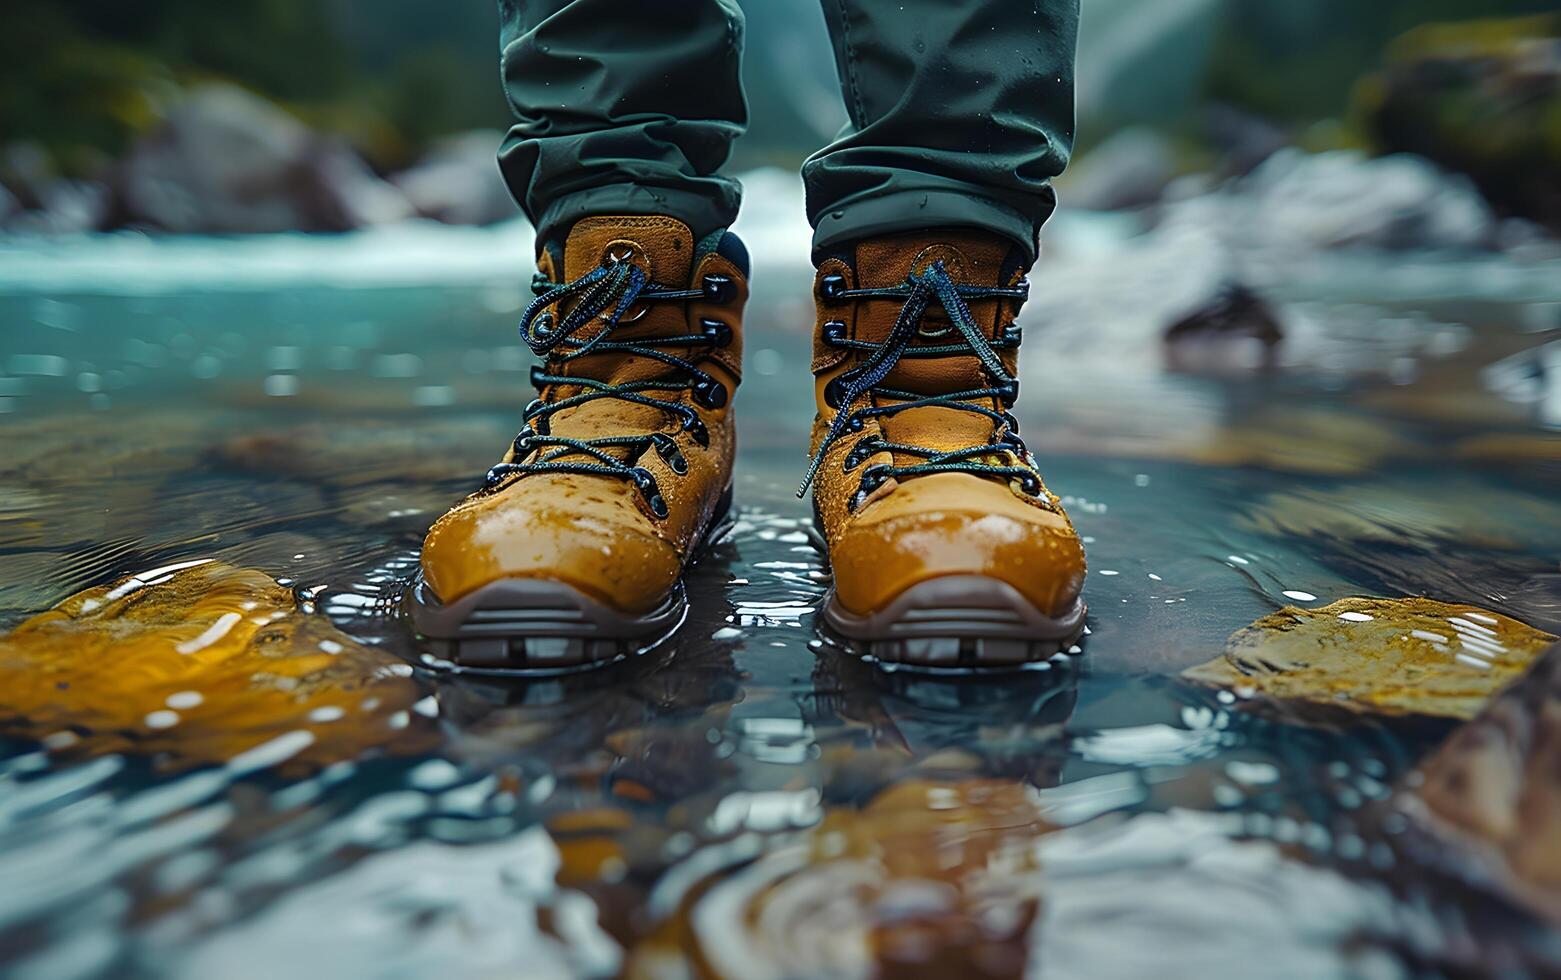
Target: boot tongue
970,258
664,249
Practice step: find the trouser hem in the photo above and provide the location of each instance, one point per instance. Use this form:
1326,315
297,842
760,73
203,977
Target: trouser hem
702,214
912,210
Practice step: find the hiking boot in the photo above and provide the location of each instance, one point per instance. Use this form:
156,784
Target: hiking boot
947,548
572,552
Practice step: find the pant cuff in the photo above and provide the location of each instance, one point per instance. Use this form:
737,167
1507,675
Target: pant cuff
703,213
911,210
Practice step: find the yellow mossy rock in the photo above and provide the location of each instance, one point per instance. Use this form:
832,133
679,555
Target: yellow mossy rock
199,662
1378,656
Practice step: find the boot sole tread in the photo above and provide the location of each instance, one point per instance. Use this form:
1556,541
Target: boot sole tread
959,623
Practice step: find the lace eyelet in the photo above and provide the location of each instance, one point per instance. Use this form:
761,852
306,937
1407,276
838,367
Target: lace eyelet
855,424
834,332
534,411
859,454
540,283
832,286
717,332
645,482
670,454
537,371
872,479
658,505
696,429
718,288
521,447
1030,484
1013,335
542,326
710,393
1008,393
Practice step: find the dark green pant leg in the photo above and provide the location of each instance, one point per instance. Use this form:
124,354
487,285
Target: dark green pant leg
961,113
622,107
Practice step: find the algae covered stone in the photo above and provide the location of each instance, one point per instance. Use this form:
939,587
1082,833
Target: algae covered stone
1378,656
199,662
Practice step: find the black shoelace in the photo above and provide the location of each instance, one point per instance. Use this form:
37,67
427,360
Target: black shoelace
844,393
611,291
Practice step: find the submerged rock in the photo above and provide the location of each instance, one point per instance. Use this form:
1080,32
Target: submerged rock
1377,656
1491,794
200,663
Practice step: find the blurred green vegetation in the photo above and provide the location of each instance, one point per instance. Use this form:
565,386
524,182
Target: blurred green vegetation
85,77
1296,61
1482,97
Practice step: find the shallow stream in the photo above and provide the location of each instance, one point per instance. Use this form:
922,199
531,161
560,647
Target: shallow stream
749,801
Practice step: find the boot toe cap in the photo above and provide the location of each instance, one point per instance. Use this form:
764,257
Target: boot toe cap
604,556
1034,550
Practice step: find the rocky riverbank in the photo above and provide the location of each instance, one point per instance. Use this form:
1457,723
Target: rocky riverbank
226,161
1451,142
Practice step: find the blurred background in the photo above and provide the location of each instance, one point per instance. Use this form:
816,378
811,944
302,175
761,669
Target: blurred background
272,115
1294,341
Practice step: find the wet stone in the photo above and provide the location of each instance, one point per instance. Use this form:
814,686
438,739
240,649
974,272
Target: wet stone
1490,797
201,663
1234,329
1377,656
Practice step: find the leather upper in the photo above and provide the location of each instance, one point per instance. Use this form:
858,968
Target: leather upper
596,532
921,527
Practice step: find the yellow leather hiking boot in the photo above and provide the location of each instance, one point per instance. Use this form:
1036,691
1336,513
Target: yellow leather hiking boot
572,553
947,549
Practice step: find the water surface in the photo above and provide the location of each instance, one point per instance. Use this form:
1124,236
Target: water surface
749,801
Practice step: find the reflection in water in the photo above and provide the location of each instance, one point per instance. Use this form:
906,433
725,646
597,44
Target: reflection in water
299,795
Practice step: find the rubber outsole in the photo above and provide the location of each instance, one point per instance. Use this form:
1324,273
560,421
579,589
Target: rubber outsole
540,627
958,623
